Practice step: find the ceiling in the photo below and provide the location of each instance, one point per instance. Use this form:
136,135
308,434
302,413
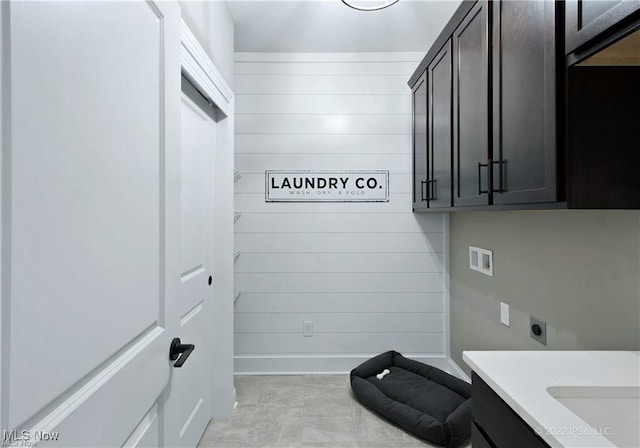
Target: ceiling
331,26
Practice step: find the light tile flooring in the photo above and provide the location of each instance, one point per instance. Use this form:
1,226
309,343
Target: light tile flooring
310,411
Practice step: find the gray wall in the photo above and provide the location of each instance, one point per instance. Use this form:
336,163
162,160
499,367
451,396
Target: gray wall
212,24
369,276
578,270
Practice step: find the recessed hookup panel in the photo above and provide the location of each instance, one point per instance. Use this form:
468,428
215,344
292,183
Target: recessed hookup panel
538,330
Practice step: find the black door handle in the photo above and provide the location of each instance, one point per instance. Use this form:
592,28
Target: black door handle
180,350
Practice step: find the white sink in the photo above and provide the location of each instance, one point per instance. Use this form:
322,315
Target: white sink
611,412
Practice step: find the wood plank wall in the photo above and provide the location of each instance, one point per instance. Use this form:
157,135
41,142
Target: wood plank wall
370,276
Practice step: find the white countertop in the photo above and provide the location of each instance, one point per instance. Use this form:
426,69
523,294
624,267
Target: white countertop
521,379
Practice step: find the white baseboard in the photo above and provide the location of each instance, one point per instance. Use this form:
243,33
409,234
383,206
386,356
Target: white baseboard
235,399
326,365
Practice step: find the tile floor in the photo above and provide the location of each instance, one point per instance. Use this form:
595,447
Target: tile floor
310,411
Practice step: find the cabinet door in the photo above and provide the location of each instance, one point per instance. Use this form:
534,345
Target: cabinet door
498,421
587,19
420,144
524,102
478,440
439,182
471,108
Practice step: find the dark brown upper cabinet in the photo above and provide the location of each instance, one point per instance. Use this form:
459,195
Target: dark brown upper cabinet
587,20
602,128
524,80
507,119
471,182
602,98
439,74
492,125
419,96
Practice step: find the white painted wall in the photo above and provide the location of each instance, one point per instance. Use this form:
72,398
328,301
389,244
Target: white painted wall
212,24
369,275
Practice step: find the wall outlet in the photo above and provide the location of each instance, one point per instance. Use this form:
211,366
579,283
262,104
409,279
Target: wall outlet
307,328
504,313
481,260
538,330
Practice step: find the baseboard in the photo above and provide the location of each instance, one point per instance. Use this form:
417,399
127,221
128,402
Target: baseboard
457,371
325,365
235,399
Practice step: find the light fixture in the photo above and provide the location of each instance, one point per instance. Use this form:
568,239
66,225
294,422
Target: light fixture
369,5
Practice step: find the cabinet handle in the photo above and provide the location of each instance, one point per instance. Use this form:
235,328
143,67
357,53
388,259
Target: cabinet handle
432,189
480,166
430,183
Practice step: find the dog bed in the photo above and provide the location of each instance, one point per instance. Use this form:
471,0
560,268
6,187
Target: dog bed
422,399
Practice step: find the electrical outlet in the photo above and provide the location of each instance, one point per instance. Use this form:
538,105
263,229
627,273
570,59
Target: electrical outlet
504,313
307,328
538,330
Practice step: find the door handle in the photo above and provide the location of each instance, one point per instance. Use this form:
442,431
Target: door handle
180,352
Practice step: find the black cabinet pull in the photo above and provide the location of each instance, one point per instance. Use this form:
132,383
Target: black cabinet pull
432,185
501,188
178,349
480,166
489,165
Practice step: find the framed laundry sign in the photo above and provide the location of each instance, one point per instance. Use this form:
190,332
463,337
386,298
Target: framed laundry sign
327,186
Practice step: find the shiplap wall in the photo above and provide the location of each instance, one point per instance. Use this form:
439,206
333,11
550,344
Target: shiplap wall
370,276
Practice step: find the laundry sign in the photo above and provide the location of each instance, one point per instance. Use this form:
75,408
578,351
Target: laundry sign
327,186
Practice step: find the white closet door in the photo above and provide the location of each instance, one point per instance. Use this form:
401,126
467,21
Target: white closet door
188,408
90,259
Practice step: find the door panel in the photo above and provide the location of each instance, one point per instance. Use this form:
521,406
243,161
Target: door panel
188,407
191,384
194,192
471,108
86,190
420,144
440,128
91,83
147,434
524,125
116,399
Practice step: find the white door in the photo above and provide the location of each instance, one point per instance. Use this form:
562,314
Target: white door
90,219
188,407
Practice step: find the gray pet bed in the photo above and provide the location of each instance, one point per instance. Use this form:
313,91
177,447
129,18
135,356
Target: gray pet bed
422,399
